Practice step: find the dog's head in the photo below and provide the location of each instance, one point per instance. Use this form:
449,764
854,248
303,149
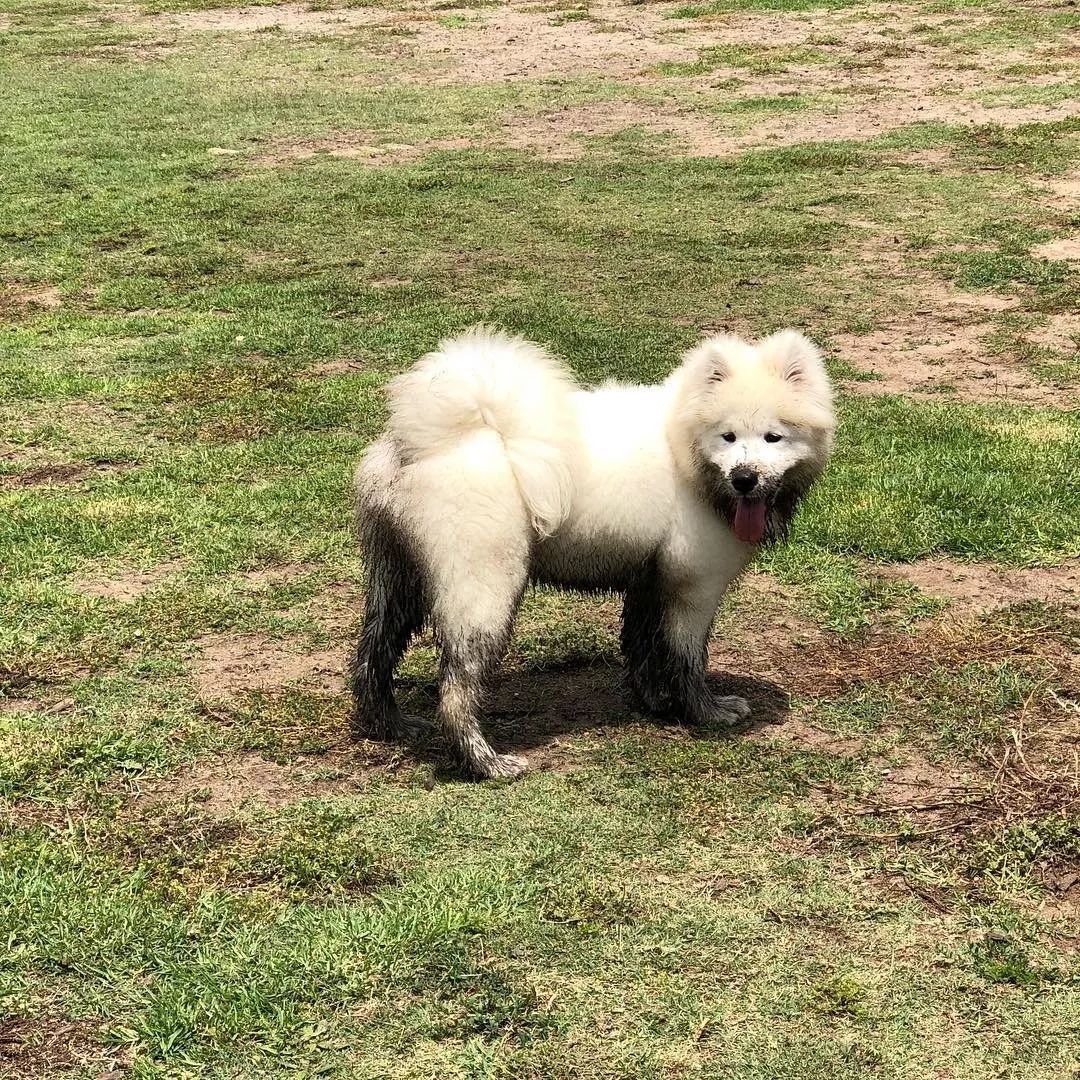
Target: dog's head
754,423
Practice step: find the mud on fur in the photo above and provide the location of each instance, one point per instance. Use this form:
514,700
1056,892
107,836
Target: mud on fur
497,470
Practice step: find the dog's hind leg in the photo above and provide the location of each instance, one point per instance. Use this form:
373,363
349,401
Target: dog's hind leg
470,657
475,599
394,612
474,531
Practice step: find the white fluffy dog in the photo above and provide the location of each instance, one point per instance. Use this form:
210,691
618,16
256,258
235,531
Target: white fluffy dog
497,470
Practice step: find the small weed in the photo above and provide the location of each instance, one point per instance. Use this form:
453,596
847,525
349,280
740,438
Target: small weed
570,17
315,847
458,22
840,996
998,959
757,59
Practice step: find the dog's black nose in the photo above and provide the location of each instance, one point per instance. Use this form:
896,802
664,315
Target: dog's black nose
743,480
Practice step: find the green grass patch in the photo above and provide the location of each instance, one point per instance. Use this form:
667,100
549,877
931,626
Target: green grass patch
757,59
722,7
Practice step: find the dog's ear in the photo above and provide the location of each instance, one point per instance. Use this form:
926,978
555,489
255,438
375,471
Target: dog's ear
797,360
792,357
710,359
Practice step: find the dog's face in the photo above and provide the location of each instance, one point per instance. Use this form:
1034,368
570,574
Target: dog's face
759,421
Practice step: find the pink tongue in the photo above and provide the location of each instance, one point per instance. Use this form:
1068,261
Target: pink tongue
750,520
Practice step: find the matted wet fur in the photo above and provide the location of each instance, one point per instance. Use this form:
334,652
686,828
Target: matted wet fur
496,470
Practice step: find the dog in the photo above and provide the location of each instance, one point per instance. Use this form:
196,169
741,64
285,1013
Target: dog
497,470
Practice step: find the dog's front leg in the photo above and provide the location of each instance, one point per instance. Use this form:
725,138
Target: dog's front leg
688,619
665,636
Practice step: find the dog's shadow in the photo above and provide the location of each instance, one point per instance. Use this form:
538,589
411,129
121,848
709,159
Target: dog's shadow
538,713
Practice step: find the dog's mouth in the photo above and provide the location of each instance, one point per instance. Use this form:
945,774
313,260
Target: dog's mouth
749,523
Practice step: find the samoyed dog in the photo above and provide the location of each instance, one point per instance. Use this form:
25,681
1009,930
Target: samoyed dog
498,470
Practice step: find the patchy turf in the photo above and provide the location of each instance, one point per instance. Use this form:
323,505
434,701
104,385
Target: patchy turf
226,226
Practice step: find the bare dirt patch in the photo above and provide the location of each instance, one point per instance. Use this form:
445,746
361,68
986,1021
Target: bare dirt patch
289,18
797,730
79,416
281,574
874,84
494,45
31,297
932,344
934,158
224,785
832,664
42,437
129,585
620,41
861,51
1064,191
859,122
327,369
958,808
57,475
917,782
32,1048
1065,249
1030,775
978,587
772,605
33,705
865,85
126,52
1061,331
362,147
228,664
562,134
932,357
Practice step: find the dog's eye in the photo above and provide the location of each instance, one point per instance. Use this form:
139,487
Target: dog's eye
771,436
729,436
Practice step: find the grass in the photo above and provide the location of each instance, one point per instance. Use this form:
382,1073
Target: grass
202,876
759,60
723,7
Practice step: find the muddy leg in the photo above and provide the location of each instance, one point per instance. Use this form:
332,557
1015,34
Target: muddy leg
393,614
664,639
467,666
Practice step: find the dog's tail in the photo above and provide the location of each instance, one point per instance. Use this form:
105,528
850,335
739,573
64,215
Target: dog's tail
484,379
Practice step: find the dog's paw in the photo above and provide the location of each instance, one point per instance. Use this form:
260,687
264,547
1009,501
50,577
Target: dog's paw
728,711
502,766
737,705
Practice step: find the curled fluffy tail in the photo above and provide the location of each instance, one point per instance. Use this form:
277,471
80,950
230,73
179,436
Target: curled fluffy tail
486,379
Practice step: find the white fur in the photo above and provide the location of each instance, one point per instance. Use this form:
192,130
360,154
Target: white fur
497,468
484,380
778,386
494,443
